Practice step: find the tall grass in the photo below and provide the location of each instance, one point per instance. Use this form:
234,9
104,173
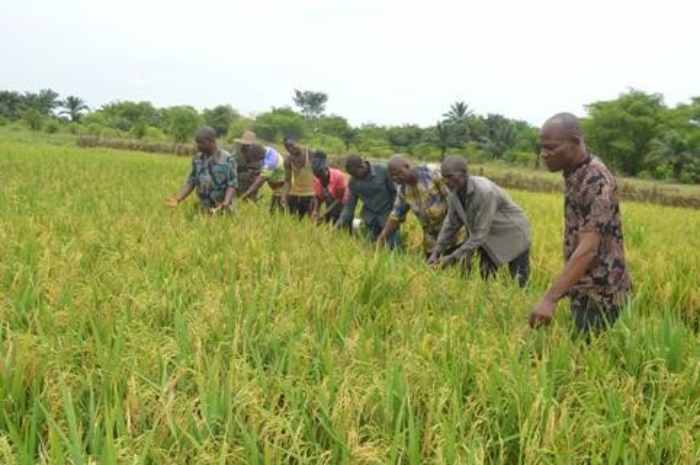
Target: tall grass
130,333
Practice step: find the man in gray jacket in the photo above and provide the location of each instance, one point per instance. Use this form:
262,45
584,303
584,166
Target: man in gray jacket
498,229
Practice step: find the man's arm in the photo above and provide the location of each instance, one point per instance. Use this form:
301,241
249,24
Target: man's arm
397,216
184,191
253,189
599,195
575,268
231,184
478,232
287,181
450,226
348,212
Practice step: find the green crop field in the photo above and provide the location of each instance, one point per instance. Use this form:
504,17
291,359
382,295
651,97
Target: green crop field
135,334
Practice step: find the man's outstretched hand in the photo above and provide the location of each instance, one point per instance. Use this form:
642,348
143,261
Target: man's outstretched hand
542,313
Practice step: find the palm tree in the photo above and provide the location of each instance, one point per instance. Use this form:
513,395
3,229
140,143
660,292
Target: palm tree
443,138
74,107
459,112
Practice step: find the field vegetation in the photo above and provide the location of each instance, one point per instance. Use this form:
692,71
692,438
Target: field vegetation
135,334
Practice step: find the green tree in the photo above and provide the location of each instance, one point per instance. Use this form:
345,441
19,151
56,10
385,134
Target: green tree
500,135
443,136
674,149
44,102
349,137
279,123
220,118
312,104
402,138
621,130
11,104
74,108
333,125
125,115
183,121
238,126
459,113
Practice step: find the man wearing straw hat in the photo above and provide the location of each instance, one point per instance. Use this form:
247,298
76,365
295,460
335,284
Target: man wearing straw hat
213,175
272,171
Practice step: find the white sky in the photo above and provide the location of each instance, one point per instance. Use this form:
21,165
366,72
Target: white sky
382,61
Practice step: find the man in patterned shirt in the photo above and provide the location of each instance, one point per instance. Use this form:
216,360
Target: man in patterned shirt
213,174
271,171
422,191
595,276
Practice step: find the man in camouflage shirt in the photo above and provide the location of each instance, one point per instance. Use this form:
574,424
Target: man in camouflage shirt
213,175
595,276
421,190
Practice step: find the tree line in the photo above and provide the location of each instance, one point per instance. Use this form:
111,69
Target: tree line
637,134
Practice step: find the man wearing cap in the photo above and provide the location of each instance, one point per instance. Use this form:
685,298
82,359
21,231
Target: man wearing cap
213,175
498,229
272,170
299,179
371,184
330,187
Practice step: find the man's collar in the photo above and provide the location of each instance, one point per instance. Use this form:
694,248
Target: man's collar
370,170
585,161
470,185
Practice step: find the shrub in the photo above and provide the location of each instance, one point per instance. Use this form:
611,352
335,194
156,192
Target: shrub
73,128
153,133
521,158
52,126
33,119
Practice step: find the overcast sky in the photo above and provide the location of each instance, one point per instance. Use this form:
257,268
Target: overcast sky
381,61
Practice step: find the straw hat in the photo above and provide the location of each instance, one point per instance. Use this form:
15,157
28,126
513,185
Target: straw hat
248,138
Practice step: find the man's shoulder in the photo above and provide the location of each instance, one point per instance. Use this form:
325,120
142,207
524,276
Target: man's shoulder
337,174
379,168
482,184
596,174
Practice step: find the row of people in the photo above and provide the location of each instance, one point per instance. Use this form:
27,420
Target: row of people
461,215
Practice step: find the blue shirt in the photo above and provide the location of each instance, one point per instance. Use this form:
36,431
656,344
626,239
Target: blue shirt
377,192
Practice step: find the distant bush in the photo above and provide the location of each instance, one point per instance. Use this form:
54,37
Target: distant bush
237,127
521,158
329,144
33,119
138,130
153,133
73,128
691,173
52,126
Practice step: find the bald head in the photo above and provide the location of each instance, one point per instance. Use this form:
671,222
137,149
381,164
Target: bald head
401,170
563,126
562,143
356,166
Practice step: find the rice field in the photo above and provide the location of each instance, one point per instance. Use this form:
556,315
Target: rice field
135,334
